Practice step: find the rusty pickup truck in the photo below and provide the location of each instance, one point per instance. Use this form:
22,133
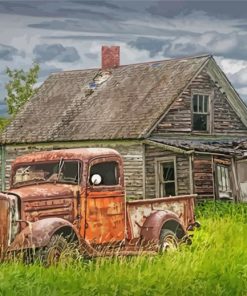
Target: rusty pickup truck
78,195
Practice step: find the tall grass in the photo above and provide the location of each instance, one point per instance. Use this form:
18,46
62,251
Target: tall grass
215,264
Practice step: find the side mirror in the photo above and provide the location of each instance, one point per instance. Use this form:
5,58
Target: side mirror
96,179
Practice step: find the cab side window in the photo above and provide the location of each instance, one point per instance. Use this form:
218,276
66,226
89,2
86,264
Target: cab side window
108,171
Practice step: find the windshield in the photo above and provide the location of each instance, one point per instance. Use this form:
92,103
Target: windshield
61,171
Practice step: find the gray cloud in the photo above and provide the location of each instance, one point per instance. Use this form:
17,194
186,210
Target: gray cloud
58,52
108,38
92,56
217,8
3,106
97,3
8,53
154,46
46,70
59,9
239,79
231,45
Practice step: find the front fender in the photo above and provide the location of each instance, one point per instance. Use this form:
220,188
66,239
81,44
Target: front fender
39,233
156,221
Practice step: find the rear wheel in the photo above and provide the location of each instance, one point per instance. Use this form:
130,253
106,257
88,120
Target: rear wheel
168,240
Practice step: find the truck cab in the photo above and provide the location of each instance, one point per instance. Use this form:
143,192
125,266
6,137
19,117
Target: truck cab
80,194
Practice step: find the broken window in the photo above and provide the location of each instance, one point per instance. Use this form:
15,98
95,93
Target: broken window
242,178
167,178
223,178
200,112
62,171
108,172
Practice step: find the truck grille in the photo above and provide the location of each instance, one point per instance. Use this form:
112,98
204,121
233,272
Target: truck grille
4,223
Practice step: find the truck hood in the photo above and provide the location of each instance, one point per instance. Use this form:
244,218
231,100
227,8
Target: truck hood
47,200
45,191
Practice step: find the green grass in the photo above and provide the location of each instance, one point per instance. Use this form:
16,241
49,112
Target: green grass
215,264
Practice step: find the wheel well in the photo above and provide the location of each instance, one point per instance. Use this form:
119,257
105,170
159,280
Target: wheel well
68,233
175,227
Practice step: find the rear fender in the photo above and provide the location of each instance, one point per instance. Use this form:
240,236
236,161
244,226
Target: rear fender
152,226
39,233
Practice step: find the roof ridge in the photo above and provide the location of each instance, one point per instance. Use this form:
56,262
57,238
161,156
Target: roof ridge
133,64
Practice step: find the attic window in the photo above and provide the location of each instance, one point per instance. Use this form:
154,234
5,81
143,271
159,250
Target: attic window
200,112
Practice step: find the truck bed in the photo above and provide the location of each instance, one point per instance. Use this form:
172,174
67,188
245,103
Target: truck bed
139,210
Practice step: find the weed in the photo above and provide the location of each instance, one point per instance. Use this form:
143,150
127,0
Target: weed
215,264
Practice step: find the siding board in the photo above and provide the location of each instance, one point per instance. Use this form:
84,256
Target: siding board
203,175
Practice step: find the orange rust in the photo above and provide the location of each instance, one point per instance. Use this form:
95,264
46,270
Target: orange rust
77,153
4,217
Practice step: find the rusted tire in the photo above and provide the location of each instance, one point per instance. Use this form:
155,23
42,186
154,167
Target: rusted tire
58,250
168,240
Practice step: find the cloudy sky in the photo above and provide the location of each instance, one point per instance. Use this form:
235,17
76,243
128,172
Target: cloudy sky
68,34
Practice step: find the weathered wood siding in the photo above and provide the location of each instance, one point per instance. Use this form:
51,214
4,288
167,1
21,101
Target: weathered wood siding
132,156
182,167
224,119
203,175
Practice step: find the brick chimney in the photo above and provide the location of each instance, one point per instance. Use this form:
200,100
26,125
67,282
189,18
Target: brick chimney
110,56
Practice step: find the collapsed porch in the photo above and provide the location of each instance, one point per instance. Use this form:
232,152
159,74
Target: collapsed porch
212,169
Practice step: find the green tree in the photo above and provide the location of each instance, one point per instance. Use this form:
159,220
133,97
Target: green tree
4,121
20,87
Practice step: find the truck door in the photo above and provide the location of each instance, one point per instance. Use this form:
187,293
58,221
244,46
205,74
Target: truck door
105,204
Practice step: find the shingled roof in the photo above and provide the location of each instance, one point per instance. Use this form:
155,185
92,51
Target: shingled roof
122,103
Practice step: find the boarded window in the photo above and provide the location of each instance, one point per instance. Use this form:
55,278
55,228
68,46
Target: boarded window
200,112
223,181
166,178
108,172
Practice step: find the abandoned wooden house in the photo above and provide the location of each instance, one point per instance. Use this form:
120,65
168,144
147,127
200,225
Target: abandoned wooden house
178,124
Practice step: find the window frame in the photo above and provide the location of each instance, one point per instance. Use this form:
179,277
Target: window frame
158,165
40,162
228,185
209,113
100,187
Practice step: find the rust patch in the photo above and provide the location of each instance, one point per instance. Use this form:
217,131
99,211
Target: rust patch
139,210
47,200
4,224
77,153
38,234
105,217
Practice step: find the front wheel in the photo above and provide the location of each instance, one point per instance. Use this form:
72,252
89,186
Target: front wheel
168,240
57,250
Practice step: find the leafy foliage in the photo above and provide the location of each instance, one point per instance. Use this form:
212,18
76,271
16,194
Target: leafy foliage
20,87
4,122
215,264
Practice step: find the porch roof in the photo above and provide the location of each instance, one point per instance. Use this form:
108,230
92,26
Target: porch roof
228,147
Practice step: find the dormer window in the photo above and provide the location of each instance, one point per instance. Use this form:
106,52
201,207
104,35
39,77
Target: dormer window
200,112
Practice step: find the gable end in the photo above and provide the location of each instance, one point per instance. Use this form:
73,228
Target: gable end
222,115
